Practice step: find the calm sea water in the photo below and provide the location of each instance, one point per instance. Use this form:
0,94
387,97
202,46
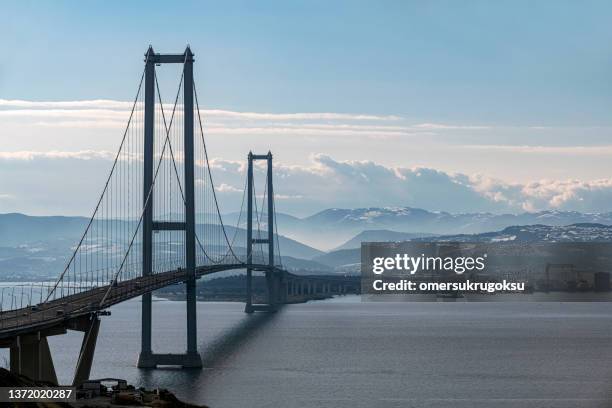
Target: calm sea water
345,353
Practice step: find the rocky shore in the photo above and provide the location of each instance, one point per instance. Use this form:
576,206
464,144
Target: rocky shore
97,394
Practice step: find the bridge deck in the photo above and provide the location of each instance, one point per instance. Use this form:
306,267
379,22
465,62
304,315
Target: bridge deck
59,311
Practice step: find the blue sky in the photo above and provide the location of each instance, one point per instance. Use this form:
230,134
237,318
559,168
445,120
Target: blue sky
545,62
507,94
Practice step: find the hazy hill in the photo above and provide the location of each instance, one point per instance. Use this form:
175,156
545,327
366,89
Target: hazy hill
18,229
380,236
340,257
39,247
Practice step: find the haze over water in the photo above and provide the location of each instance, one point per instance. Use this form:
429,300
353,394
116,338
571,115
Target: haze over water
345,353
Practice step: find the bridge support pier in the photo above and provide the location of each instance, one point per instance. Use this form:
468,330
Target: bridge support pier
284,292
248,308
273,289
30,356
185,360
86,355
270,289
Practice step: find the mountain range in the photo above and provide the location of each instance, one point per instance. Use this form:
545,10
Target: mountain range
39,246
332,228
348,259
34,247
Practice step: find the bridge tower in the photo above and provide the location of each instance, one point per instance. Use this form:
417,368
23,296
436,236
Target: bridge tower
272,277
191,357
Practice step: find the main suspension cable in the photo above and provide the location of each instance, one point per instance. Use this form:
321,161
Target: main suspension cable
210,176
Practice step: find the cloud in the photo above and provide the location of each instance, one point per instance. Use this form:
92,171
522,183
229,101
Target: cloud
109,107
327,182
65,113
585,196
597,150
79,155
93,103
109,114
442,126
308,131
299,116
324,182
365,183
83,124
226,188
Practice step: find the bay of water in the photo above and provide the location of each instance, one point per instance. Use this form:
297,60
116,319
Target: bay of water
345,353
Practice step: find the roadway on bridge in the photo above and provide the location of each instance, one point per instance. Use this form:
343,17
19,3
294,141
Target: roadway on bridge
55,312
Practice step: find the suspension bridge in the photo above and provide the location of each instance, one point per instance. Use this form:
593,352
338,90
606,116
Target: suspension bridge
156,223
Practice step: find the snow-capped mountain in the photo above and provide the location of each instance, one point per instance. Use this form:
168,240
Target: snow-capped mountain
584,232
347,259
333,227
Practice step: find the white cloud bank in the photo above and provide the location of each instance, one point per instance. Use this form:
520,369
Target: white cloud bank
61,170
100,114
44,182
54,154
365,183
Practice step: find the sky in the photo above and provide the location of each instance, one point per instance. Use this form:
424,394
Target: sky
445,105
